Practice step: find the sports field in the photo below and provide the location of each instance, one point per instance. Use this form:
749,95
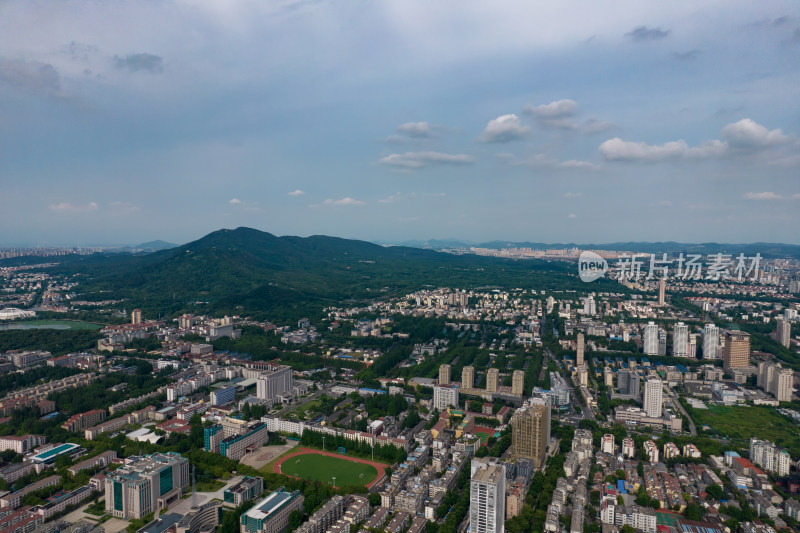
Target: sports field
323,467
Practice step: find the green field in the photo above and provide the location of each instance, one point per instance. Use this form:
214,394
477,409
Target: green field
324,468
50,324
739,423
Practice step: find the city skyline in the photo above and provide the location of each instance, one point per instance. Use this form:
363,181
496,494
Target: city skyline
397,121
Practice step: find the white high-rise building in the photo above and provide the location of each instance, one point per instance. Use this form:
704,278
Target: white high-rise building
710,342
589,306
783,334
653,397
769,457
487,496
444,397
651,339
276,380
680,340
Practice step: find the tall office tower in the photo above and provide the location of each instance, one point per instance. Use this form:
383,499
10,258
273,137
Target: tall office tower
136,316
737,349
783,335
468,377
530,431
589,307
710,342
662,289
492,377
444,397
518,382
652,401
487,496
579,355
651,339
444,375
680,340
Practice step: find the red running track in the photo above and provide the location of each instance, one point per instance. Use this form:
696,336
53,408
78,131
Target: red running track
380,467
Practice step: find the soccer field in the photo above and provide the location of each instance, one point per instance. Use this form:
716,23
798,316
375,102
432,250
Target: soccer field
324,468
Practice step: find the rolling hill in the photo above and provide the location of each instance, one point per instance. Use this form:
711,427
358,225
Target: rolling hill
249,271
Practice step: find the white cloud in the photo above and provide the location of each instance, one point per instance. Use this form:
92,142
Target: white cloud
745,134
425,159
547,161
618,150
234,201
347,201
416,130
504,128
796,196
297,192
572,163
392,198
766,195
748,134
125,207
68,207
573,195
553,110
572,215
597,126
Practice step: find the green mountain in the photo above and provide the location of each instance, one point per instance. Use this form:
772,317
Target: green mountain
246,271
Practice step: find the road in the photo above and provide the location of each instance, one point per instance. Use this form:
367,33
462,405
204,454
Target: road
575,396
675,401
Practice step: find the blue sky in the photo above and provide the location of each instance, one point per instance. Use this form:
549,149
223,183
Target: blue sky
394,120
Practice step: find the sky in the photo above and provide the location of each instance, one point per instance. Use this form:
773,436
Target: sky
571,121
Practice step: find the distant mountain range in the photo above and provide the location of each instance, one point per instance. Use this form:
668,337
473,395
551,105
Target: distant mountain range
766,249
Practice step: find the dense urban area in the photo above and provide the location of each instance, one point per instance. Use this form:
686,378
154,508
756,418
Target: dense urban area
501,401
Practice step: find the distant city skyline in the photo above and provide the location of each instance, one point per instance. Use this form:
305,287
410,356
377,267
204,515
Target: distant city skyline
393,121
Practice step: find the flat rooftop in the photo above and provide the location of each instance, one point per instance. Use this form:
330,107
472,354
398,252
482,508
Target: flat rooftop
268,505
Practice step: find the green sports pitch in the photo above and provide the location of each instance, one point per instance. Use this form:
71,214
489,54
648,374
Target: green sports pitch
324,468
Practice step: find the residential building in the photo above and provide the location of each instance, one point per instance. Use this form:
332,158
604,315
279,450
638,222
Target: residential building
579,352
680,340
652,400
22,444
783,333
710,342
492,379
607,444
518,382
468,377
444,397
85,420
662,290
651,339
444,375
737,350
487,506
276,380
531,431
769,457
